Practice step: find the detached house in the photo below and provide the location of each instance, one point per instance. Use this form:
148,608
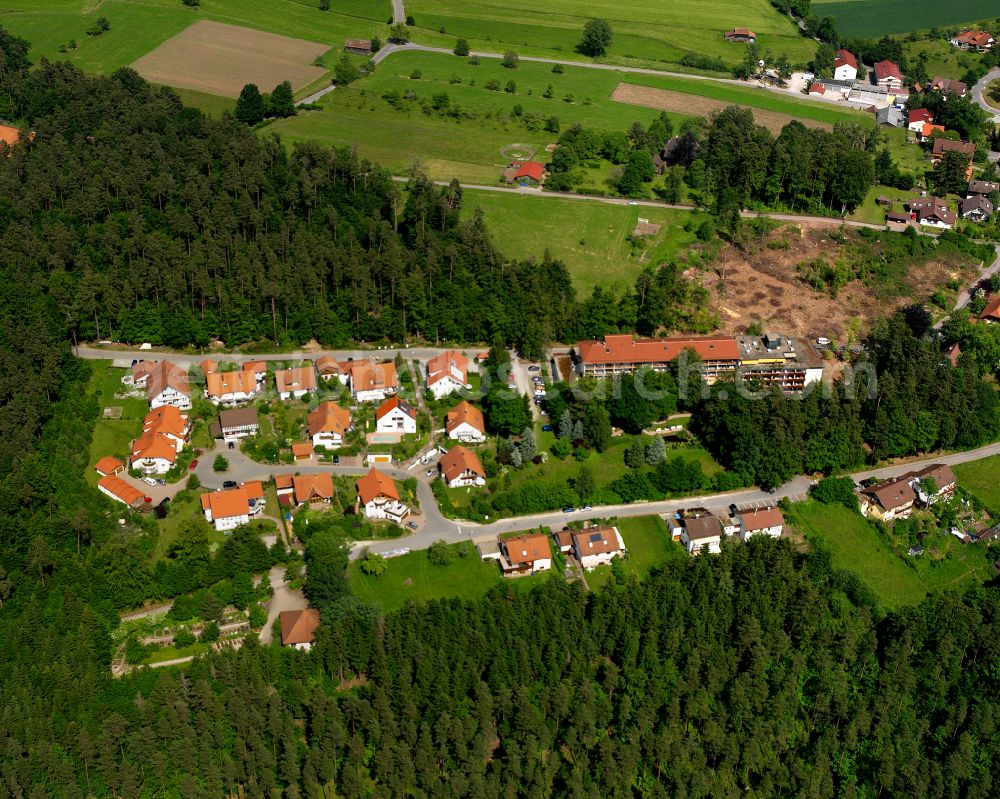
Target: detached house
845,66
982,187
888,75
991,313
597,546
932,211
226,510
298,628
231,388
461,467
740,35
979,41
447,373
237,423
328,424
330,368
976,208
164,432
312,489
378,495
373,382
464,422
525,554
395,415
167,384
697,530
917,118
296,382
940,84
763,521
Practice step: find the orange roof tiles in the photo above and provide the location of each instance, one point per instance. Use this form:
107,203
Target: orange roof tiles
254,489
302,449
374,485
121,490
992,309
392,403
596,541
226,504
154,446
282,481
108,465
445,365
299,626
622,349
458,460
762,519
368,376
527,548
313,486
167,420
465,413
166,375
298,378
328,417
219,384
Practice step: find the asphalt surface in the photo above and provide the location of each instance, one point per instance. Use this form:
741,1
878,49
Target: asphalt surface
980,87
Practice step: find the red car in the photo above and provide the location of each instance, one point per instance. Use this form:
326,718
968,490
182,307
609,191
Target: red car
193,465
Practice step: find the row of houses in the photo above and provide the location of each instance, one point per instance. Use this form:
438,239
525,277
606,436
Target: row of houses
935,212
699,530
530,553
771,359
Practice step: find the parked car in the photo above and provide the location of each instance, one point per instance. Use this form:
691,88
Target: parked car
587,507
160,481
193,465
430,472
569,509
336,460
232,445
823,341
412,525
534,368
546,428
229,484
150,481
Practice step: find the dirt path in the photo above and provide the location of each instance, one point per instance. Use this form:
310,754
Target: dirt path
284,598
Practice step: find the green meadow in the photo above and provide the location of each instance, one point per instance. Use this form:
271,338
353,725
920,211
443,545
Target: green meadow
879,17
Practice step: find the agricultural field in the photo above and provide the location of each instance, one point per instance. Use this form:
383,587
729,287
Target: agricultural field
468,138
592,239
220,59
864,18
645,30
140,26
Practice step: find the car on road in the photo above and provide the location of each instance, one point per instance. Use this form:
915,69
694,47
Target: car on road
534,368
412,525
569,509
160,481
193,465
633,202
429,472
229,484
546,428
587,507
336,460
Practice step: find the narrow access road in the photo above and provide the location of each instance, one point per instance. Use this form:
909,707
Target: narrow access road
312,98
158,610
284,598
979,90
398,12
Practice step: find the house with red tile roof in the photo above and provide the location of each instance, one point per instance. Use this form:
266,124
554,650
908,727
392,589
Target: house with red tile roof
298,628
378,495
396,415
311,489
302,450
461,467
112,486
991,313
761,521
109,465
228,509
164,433
447,373
167,384
296,382
740,35
330,368
373,382
327,425
979,41
917,118
465,422
525,554
231,388
888,75
597,546
259,369
623,354
845,66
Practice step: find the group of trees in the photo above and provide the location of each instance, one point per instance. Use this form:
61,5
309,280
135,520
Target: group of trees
253,107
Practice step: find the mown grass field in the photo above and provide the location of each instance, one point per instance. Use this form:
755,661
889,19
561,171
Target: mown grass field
112,436
138,26
982,478
470,149
649,545
645,30
877,17
857,547
591,238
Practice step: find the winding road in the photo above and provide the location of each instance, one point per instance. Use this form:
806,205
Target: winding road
980,88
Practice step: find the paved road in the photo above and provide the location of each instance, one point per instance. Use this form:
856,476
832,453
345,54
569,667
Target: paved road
158,610
965,296
980,87
312,98
398,12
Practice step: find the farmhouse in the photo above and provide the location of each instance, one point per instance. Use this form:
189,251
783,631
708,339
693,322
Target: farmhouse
762,521
378,495
328,424
228,509
464,422
932,211
373,382
917,118
976,208
167,384
741,35
530,173
597,546
237,423
525,554
313,489
845,66
330,368
447,373
109,465
298,628
358,46
120,491
460,467
888,75
231,388
395,415
295,382
980,41
940,84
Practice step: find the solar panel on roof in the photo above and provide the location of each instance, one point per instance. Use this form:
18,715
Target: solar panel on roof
595,537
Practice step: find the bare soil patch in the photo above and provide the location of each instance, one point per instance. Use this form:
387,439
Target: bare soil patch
765,287
695,105
220,59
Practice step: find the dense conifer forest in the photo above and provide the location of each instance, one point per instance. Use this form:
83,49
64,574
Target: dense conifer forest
761,672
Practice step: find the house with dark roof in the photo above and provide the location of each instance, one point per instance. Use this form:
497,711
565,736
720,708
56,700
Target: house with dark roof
237,423
740,35
698,530
976,208
941,84
932,211
982,187
896,498
358,46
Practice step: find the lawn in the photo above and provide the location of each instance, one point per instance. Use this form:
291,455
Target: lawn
186,505
414,577
857,546
981,479
942,58
591,238
869,18
112,436
649,545
645,30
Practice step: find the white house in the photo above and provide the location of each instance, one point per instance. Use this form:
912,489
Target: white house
164,433
237,423
702,532
226,510
447,373
763,521
378,495
464,422
373,382
298,628
845,66
231,388
295,382
460,467
597,546
525,554
395,415
328,424
167,384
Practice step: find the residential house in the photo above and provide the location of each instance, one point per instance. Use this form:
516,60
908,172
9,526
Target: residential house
465,422
447,373
761,521
976,208
164,433
328,424
228,509
237,423
373,382
258,368
917,118
991,313
113,486
890,115
312,489
597,546
167,384
109,465
461,467
525,173
358,46
302,450
298,628
942,146
208,366
979,41
845,66
929,131
741,35
700,531
330,368
934,483
982,187
138,376
284,486
932,212
940,84
296,382
231,388
888,75
378,495
564,540
888,500
396,415
525,554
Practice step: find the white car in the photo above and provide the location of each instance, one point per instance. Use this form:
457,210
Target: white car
823,341
149,481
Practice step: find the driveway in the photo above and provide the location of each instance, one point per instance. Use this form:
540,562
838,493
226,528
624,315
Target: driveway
284,598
